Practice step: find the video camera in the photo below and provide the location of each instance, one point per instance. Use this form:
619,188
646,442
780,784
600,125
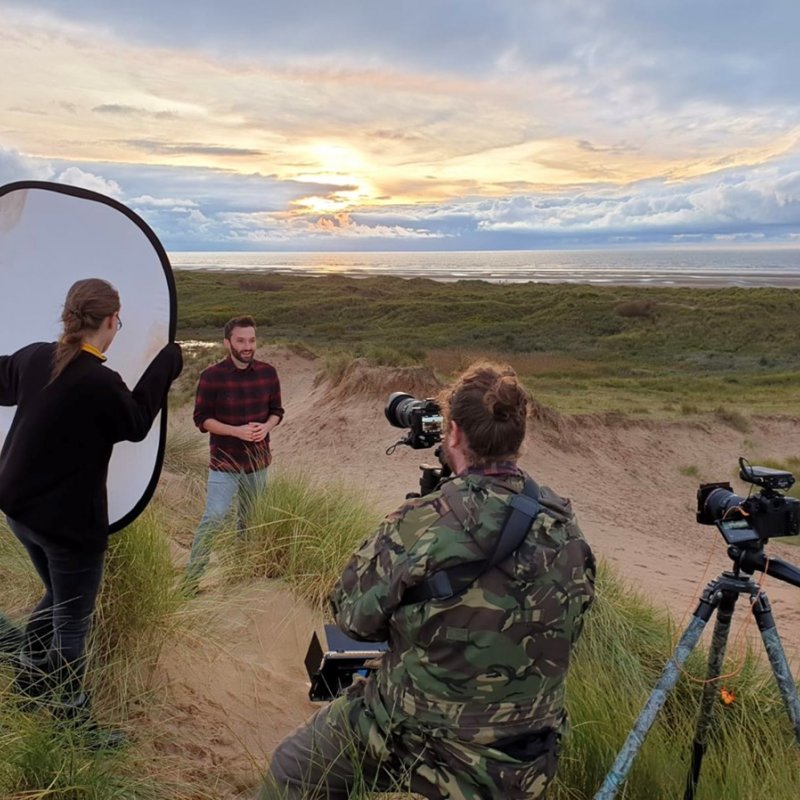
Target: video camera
423,418
334,662
755,518
425,424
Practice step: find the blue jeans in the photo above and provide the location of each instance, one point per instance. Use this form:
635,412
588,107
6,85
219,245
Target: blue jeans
55,636
222,489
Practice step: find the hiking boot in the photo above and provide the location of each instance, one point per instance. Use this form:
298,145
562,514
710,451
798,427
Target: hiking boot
31,675
74,714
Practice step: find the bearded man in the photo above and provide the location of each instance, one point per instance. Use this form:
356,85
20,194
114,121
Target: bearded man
238,403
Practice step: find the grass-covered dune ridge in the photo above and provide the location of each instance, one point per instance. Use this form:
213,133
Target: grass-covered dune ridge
641,350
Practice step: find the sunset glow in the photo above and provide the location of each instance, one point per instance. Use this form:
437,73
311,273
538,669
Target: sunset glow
471,132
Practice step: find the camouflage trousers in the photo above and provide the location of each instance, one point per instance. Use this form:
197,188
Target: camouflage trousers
352,748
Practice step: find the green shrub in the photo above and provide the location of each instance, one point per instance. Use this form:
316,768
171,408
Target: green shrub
640,307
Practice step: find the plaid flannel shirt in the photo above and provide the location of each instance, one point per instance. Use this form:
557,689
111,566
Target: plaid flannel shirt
238,396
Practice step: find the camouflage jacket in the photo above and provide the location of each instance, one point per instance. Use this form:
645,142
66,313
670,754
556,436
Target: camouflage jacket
492,661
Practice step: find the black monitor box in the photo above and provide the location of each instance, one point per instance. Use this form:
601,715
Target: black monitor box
332,665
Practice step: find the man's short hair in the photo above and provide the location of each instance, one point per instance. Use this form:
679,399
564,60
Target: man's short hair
238,322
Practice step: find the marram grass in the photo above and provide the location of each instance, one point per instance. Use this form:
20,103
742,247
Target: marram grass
138,611
626,644
301,532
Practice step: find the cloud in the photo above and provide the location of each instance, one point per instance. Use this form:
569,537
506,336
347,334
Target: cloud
508,96
740,203
193,209
188,148
75,176
675,51
344,225
15,166
117,109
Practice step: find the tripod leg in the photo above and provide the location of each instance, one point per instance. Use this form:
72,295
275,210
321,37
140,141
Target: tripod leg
669,677
762,611
716,657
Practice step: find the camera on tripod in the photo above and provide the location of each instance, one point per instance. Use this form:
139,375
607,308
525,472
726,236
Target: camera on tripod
755,518
746,524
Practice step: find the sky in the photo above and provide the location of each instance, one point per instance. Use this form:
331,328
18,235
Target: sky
414,124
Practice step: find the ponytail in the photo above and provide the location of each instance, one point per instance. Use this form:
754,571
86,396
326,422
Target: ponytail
88,303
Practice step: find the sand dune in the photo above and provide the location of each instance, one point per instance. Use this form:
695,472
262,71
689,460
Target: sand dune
232,697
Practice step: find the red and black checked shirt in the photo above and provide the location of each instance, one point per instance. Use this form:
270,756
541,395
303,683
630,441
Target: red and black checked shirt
237,396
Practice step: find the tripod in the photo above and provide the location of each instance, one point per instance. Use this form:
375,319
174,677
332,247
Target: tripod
720,595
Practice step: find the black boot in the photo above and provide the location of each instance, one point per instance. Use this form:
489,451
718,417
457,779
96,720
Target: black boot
74,713
31,675
71,707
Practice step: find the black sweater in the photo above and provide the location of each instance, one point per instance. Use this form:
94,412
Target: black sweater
54,462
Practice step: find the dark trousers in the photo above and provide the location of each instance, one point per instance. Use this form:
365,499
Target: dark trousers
55,636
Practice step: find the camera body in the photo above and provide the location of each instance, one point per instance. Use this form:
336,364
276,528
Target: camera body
422,418
756,518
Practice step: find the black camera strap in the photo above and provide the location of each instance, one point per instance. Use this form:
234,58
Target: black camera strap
446,583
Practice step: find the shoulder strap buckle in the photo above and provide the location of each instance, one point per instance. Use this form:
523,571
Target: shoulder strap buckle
523,509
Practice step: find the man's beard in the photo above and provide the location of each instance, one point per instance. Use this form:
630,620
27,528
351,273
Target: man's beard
447,454
242,356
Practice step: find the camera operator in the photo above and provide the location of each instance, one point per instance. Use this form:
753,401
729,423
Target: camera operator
468,701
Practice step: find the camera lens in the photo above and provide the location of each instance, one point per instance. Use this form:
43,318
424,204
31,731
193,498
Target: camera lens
720,501
399,408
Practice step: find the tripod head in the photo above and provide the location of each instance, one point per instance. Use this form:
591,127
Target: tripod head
750,556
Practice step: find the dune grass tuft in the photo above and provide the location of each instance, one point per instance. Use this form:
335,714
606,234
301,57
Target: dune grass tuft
301,532
186,452
137,609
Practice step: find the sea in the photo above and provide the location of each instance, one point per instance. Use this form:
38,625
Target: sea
779,267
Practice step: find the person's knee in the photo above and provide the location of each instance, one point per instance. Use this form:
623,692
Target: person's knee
309,765
271,789
283,779
212,518
285,767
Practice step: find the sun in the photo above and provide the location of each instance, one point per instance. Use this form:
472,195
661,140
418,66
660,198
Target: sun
344,169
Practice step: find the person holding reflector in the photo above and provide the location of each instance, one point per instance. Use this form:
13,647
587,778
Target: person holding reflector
70,411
